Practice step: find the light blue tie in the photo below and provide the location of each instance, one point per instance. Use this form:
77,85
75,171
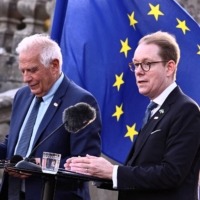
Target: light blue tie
150,107
22,148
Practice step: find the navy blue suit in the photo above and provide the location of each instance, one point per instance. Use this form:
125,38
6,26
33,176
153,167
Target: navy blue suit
163,164
86,141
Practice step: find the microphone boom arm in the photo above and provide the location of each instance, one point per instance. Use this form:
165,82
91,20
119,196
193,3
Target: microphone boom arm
45,139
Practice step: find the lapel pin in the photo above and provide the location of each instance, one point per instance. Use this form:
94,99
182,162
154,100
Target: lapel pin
55,104
156,117
161,111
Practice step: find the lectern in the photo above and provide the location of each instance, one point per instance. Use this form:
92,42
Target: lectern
51,178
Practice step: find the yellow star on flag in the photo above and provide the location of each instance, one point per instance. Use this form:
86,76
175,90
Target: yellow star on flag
118,112
155,11
132,20
182,25
131,132
119,81
199,49
125,48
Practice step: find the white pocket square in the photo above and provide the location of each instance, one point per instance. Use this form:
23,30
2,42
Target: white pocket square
155,131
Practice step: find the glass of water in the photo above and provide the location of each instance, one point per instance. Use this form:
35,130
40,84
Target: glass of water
50,162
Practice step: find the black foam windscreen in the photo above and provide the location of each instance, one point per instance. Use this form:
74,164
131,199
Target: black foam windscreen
16,159
78,117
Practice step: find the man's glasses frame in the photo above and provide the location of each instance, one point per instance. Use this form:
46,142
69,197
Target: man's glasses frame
146,66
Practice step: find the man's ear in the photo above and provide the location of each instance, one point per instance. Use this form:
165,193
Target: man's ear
55,65
171,67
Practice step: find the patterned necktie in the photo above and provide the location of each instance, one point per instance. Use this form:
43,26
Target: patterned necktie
22,148
150,107
28,130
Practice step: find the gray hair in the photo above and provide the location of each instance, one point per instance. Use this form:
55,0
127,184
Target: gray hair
44,46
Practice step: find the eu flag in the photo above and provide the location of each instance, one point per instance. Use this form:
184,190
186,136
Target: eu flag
98,39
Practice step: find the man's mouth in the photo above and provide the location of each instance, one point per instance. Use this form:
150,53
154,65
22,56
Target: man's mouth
141,82
33,86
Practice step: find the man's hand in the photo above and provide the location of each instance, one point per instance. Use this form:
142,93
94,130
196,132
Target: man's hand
90,165
17,174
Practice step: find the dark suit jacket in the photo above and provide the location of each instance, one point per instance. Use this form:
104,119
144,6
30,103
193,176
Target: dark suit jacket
164,161
86,141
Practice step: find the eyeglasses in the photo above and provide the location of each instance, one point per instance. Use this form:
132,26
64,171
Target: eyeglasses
146,66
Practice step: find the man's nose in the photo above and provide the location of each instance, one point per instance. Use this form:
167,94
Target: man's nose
139,70
26,77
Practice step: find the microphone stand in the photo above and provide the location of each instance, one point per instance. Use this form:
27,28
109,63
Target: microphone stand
26,163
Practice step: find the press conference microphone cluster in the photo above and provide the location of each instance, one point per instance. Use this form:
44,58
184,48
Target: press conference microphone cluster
74,119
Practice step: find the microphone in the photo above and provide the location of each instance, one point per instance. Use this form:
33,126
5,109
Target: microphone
16,158
74,119
78,117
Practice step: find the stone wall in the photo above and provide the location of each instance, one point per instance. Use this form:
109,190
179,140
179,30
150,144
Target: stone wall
192,7
18,19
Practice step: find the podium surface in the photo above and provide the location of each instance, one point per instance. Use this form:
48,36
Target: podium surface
50,179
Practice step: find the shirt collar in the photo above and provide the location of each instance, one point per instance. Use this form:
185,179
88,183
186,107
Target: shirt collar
161,98
53,89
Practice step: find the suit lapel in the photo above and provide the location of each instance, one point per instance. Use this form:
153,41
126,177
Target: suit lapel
151,124
19,122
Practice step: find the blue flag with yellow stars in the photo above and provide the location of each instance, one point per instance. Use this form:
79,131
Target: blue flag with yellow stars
98,39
